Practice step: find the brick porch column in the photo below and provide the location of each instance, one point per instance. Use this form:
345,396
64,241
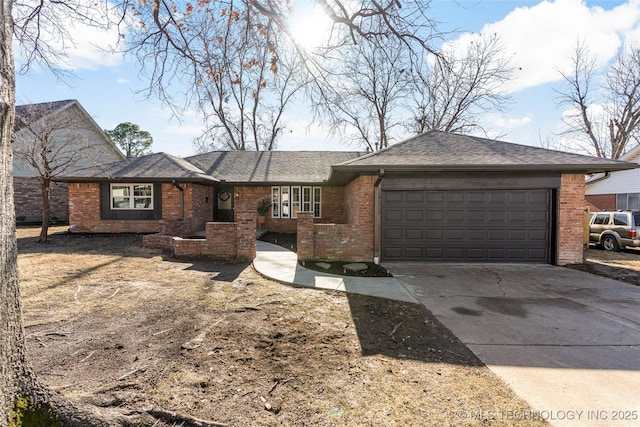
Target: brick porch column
571,219
246,234
305,236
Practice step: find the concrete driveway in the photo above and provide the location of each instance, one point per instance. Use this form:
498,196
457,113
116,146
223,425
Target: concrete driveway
568,342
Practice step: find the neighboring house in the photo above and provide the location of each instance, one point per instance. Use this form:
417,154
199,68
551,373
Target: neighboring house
75,139
616,190
434,197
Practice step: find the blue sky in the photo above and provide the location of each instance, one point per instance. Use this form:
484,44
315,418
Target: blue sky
539,35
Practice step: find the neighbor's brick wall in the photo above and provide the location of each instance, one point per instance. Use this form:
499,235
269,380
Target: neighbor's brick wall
571,219
28,200
84,213
601,202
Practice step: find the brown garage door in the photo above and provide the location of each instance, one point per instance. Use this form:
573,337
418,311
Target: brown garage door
481,226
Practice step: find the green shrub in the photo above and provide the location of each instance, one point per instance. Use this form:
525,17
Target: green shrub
25,413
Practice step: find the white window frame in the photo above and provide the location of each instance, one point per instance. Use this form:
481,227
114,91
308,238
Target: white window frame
295,201
131,197
285,202
317,202
275,202
307,198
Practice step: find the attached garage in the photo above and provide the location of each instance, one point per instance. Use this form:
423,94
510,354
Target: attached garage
458,219
483,226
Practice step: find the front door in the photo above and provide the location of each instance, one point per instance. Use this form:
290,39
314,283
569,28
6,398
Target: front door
223,208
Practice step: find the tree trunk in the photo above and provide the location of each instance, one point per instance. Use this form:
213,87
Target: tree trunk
45,187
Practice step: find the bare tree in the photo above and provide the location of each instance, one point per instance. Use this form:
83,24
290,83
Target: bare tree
51,142
454,89
242,85
365,88
605,119
242,69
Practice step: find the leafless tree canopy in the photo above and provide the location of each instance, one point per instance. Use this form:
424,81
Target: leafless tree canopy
452,90
604,119
242,68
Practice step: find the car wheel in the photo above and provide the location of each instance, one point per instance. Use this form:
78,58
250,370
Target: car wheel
609,243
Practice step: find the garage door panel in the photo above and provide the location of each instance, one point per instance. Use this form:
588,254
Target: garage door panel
476,235
414,216
499,226
433,216
414,253
455,234
392,215
414,234
455,216
414,197
434,234
455,196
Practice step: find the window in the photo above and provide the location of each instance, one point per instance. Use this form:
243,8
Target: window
620,219
306,199
317,196
284,193
602,219
629,201
275,202
295,201
132,196
287,201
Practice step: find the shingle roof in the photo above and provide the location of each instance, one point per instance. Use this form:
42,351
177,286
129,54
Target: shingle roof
30,113
435,150
271,166
154,167
431,151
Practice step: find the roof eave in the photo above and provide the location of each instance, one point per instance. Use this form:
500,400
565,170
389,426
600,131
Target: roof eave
574,168
202,180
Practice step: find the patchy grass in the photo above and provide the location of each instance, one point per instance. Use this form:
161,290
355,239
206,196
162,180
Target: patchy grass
115,324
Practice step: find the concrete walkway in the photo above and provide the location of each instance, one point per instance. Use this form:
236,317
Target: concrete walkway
281,265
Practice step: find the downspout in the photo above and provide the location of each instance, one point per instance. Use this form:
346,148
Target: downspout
376,218
181,198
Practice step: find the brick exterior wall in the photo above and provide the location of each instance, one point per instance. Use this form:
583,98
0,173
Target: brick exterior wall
227,240
572,206
601,202
84,213
333,209
28,200
305,237
350,241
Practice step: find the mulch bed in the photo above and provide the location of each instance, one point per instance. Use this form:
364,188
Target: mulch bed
289,241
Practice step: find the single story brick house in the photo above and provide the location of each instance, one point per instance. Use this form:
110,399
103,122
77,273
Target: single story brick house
435,197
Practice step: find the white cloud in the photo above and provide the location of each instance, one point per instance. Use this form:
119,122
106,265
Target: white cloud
508,122
541,38
122,81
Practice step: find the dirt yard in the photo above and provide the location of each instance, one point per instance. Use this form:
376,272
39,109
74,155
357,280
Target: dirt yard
118,325
623,265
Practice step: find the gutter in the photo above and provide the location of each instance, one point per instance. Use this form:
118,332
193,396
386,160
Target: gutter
602,178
